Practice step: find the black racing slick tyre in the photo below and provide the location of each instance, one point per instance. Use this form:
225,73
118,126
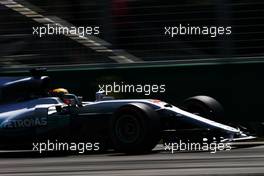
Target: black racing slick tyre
204,106
135,128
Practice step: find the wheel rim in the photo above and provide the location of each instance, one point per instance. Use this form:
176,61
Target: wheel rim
127,128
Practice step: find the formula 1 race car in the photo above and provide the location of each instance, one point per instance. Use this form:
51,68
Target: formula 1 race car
30,112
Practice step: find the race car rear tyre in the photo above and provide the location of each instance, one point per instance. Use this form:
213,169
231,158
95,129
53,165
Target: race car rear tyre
204,106
135,128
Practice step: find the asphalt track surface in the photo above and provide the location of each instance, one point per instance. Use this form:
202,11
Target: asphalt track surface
241,161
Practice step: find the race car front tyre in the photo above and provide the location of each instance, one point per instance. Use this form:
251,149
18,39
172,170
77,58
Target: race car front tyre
204,106
135,128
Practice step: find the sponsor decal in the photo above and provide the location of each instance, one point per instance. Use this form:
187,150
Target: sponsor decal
24,123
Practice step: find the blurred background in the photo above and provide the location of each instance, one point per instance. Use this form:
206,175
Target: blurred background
134,26
133,49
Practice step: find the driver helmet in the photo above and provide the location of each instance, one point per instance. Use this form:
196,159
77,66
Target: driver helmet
58,92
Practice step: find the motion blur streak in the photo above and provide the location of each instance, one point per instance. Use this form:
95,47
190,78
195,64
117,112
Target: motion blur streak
93,42
247,161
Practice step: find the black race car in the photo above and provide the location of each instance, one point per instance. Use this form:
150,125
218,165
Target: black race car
30,113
